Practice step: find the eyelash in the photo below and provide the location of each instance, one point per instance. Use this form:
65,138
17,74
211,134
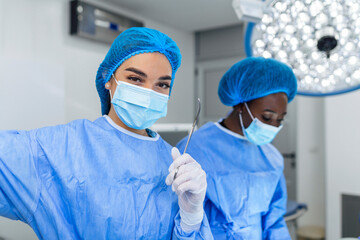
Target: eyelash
269,119
135,79
266,118
164,85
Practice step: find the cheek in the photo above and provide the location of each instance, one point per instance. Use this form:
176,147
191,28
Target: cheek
112,90
162,90
167,91
246,120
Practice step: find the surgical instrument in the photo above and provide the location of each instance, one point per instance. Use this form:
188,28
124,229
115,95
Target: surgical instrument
192,130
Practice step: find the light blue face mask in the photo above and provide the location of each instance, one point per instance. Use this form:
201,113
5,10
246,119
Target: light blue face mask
258,132
138,107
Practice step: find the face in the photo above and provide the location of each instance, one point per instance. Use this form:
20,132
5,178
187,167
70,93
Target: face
148,70
270,109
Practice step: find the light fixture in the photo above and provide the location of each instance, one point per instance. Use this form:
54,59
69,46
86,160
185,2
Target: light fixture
318,39
249,10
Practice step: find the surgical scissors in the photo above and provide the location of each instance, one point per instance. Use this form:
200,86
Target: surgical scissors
192,130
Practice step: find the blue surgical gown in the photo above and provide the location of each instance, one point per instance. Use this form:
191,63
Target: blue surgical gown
246,193
90,180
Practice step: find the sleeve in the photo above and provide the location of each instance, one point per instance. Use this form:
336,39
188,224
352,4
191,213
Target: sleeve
203,233
273,223
19,182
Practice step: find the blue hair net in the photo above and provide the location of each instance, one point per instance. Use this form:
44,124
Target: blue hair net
134,41
256,77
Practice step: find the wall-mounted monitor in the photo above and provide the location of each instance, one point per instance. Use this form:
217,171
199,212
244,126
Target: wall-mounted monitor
350,215
91,22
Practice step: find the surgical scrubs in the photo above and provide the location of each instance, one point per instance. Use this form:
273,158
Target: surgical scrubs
90,180
246,193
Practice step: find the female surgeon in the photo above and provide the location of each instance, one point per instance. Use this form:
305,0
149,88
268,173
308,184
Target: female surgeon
106,179
246,195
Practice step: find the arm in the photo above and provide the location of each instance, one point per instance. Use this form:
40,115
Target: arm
188,181
273,223
19,183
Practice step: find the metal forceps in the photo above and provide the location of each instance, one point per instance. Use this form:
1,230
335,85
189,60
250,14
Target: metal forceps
192,130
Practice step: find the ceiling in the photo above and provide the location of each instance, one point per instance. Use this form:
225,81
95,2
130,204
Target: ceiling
188,15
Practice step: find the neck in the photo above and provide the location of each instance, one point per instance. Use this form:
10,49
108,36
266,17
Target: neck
112,114
232,122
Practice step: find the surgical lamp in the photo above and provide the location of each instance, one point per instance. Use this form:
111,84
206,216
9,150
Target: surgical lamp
318,39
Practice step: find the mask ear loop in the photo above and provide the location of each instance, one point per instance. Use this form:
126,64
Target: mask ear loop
241,121
247,108
116,83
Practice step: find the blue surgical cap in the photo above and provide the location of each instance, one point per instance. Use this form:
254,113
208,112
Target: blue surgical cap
256,77
134,41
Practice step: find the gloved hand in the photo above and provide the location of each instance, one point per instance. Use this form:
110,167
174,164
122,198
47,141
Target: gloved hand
190,186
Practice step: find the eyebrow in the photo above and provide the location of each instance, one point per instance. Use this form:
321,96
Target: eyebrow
141,73
165,78
137,71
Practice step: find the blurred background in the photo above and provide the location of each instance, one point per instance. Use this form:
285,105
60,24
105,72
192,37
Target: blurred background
47,77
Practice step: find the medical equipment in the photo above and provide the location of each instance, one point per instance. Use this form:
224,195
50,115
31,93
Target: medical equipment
249,10
317,39
192,130
91,22
294,210
350,219
194,124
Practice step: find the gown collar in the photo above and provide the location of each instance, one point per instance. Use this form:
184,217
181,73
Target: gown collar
229,132
127,132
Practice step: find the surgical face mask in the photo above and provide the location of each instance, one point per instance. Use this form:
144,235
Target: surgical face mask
258,132
138,107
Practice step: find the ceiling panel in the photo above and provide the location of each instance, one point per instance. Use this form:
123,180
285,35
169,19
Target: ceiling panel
188,15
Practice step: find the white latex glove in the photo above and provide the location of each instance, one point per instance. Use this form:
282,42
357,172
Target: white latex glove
190,186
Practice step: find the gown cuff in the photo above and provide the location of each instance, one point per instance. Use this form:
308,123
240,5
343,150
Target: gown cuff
204,231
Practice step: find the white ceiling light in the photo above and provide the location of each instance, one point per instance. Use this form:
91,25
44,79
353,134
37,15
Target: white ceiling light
318,39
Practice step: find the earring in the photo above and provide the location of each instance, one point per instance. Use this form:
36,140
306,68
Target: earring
107,85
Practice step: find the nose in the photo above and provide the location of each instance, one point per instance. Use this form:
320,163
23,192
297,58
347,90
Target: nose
275,123
148,85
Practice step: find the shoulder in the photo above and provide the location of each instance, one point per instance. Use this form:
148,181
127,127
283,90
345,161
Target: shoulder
73,124
206,129
273,155
273,150
73,127
201,134
164,144
200,145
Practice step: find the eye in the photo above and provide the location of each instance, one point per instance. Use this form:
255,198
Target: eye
164,85
266,118
134,79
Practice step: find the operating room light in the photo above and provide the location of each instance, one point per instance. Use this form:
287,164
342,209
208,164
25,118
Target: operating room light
318,39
